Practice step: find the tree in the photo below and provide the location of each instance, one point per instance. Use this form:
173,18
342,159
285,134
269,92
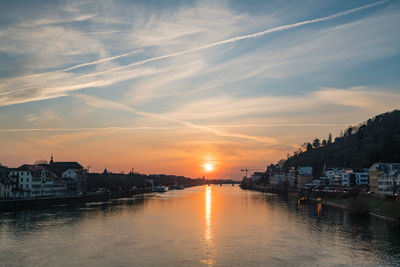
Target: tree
324,142
316,143
309,147
304,145
376,140
349,131
281,162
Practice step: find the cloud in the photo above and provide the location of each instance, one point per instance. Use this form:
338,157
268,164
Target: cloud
359,97
249,36
316,103
111,128
102,103
32,118
24,89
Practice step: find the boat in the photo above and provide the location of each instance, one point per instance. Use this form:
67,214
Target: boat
161,188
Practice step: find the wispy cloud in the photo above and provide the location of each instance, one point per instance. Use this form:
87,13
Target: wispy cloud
361,97
101,78
31,118
101,103
111,128
249,36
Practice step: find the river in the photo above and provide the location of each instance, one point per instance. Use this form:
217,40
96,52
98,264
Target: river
200,226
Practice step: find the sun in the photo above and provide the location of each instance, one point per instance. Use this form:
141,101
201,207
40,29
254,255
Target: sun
208,167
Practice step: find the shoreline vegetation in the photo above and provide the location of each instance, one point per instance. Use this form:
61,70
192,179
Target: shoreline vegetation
375,140
380,208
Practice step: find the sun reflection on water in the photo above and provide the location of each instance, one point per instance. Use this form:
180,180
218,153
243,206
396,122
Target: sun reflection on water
208,214
209,245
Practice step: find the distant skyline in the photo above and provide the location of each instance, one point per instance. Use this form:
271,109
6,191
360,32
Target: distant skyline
193,88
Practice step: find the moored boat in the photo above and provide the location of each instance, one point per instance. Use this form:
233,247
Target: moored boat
161,188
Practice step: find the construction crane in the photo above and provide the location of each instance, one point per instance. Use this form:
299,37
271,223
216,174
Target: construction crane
247,170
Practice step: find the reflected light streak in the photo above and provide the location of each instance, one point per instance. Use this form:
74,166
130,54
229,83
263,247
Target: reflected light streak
209,245
208,214
319,208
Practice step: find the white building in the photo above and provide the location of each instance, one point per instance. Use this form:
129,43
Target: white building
355,178
304,170
71,173
334,176
35,181
74,179
362,178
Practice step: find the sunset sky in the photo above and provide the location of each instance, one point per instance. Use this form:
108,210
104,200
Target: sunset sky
189,87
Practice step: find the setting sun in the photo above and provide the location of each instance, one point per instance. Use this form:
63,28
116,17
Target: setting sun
208,167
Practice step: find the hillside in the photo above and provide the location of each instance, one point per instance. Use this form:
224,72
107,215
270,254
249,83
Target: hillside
376,140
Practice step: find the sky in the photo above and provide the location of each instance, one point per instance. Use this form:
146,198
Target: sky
194,88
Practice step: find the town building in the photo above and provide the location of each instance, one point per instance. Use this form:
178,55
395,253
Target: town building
352,178
72,173
5,188
257,176
302,180
75,180
35,181
278,178
5,183
304,176
385,179
334,176
291,177
304,170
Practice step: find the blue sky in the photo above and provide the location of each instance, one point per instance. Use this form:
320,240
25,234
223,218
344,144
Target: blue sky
164,86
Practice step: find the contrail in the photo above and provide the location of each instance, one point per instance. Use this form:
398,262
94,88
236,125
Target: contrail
238,38
227,41
101,60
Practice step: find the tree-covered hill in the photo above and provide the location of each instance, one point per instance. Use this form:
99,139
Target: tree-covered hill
376,140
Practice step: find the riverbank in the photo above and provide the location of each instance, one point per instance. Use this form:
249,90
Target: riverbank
32,203
383,209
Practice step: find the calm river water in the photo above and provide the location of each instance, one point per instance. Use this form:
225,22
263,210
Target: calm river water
201,226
